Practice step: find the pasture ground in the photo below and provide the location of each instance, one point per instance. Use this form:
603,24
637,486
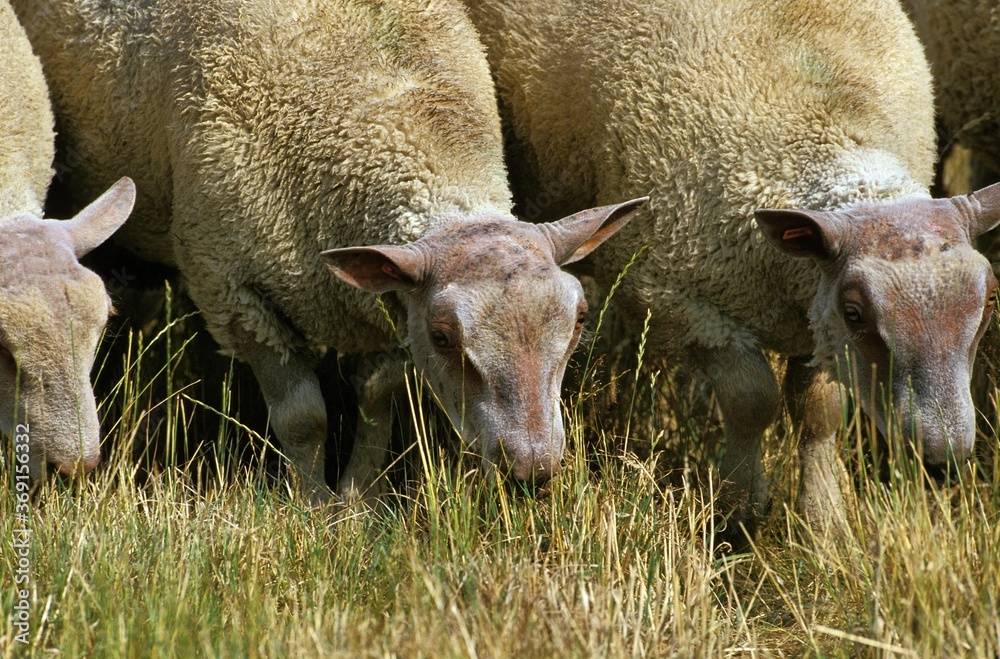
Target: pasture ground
214,555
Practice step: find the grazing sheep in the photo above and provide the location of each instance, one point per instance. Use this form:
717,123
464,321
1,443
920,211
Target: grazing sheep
962,41
52,309
719,110
262,133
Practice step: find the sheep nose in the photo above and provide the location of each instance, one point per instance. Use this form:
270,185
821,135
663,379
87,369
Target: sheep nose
77,467
534,470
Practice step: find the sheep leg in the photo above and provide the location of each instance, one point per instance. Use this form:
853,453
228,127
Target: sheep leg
362,477
297,412
815,403
747,393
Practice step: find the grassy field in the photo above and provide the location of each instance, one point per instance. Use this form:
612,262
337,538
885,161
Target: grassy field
217,557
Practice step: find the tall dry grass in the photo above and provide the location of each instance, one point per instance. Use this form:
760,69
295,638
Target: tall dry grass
214,555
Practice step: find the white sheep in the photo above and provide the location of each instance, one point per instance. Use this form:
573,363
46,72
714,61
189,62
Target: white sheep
961,39
52,310
262,133
719,109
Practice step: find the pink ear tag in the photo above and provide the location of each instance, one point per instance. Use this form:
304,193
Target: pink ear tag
797,232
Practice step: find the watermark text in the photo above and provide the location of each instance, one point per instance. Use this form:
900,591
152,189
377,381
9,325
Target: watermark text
21,534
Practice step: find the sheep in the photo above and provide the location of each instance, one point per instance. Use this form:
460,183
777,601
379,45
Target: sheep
962,43
274,142
52,309
787,149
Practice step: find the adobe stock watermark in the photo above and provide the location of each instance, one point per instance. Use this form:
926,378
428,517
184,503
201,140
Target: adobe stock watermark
21,534
118,281
550,192
67,161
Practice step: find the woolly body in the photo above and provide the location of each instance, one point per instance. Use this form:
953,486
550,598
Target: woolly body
714,109
720,111
962,41
264,133
26,137
248,166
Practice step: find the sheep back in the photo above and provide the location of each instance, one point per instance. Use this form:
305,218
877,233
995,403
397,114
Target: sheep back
262,132
713,109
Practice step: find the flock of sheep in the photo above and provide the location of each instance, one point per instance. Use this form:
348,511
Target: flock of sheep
292,157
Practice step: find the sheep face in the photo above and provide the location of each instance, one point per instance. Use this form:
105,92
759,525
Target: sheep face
52,314
491,323
907,298
495,350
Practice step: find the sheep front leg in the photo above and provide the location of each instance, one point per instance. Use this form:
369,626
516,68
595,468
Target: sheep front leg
747,392
362,475
815,402
297,413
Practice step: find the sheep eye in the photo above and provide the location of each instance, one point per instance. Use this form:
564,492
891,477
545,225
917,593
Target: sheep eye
442,339
853,315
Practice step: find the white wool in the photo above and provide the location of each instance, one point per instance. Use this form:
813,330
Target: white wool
250,131
714,109
962,42
26,137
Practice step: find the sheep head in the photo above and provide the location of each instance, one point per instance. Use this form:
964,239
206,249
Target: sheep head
52,314
905,295
492,321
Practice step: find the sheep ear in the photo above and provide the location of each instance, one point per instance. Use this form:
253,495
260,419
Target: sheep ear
802,232
985,205
379,268
578,235
95,223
